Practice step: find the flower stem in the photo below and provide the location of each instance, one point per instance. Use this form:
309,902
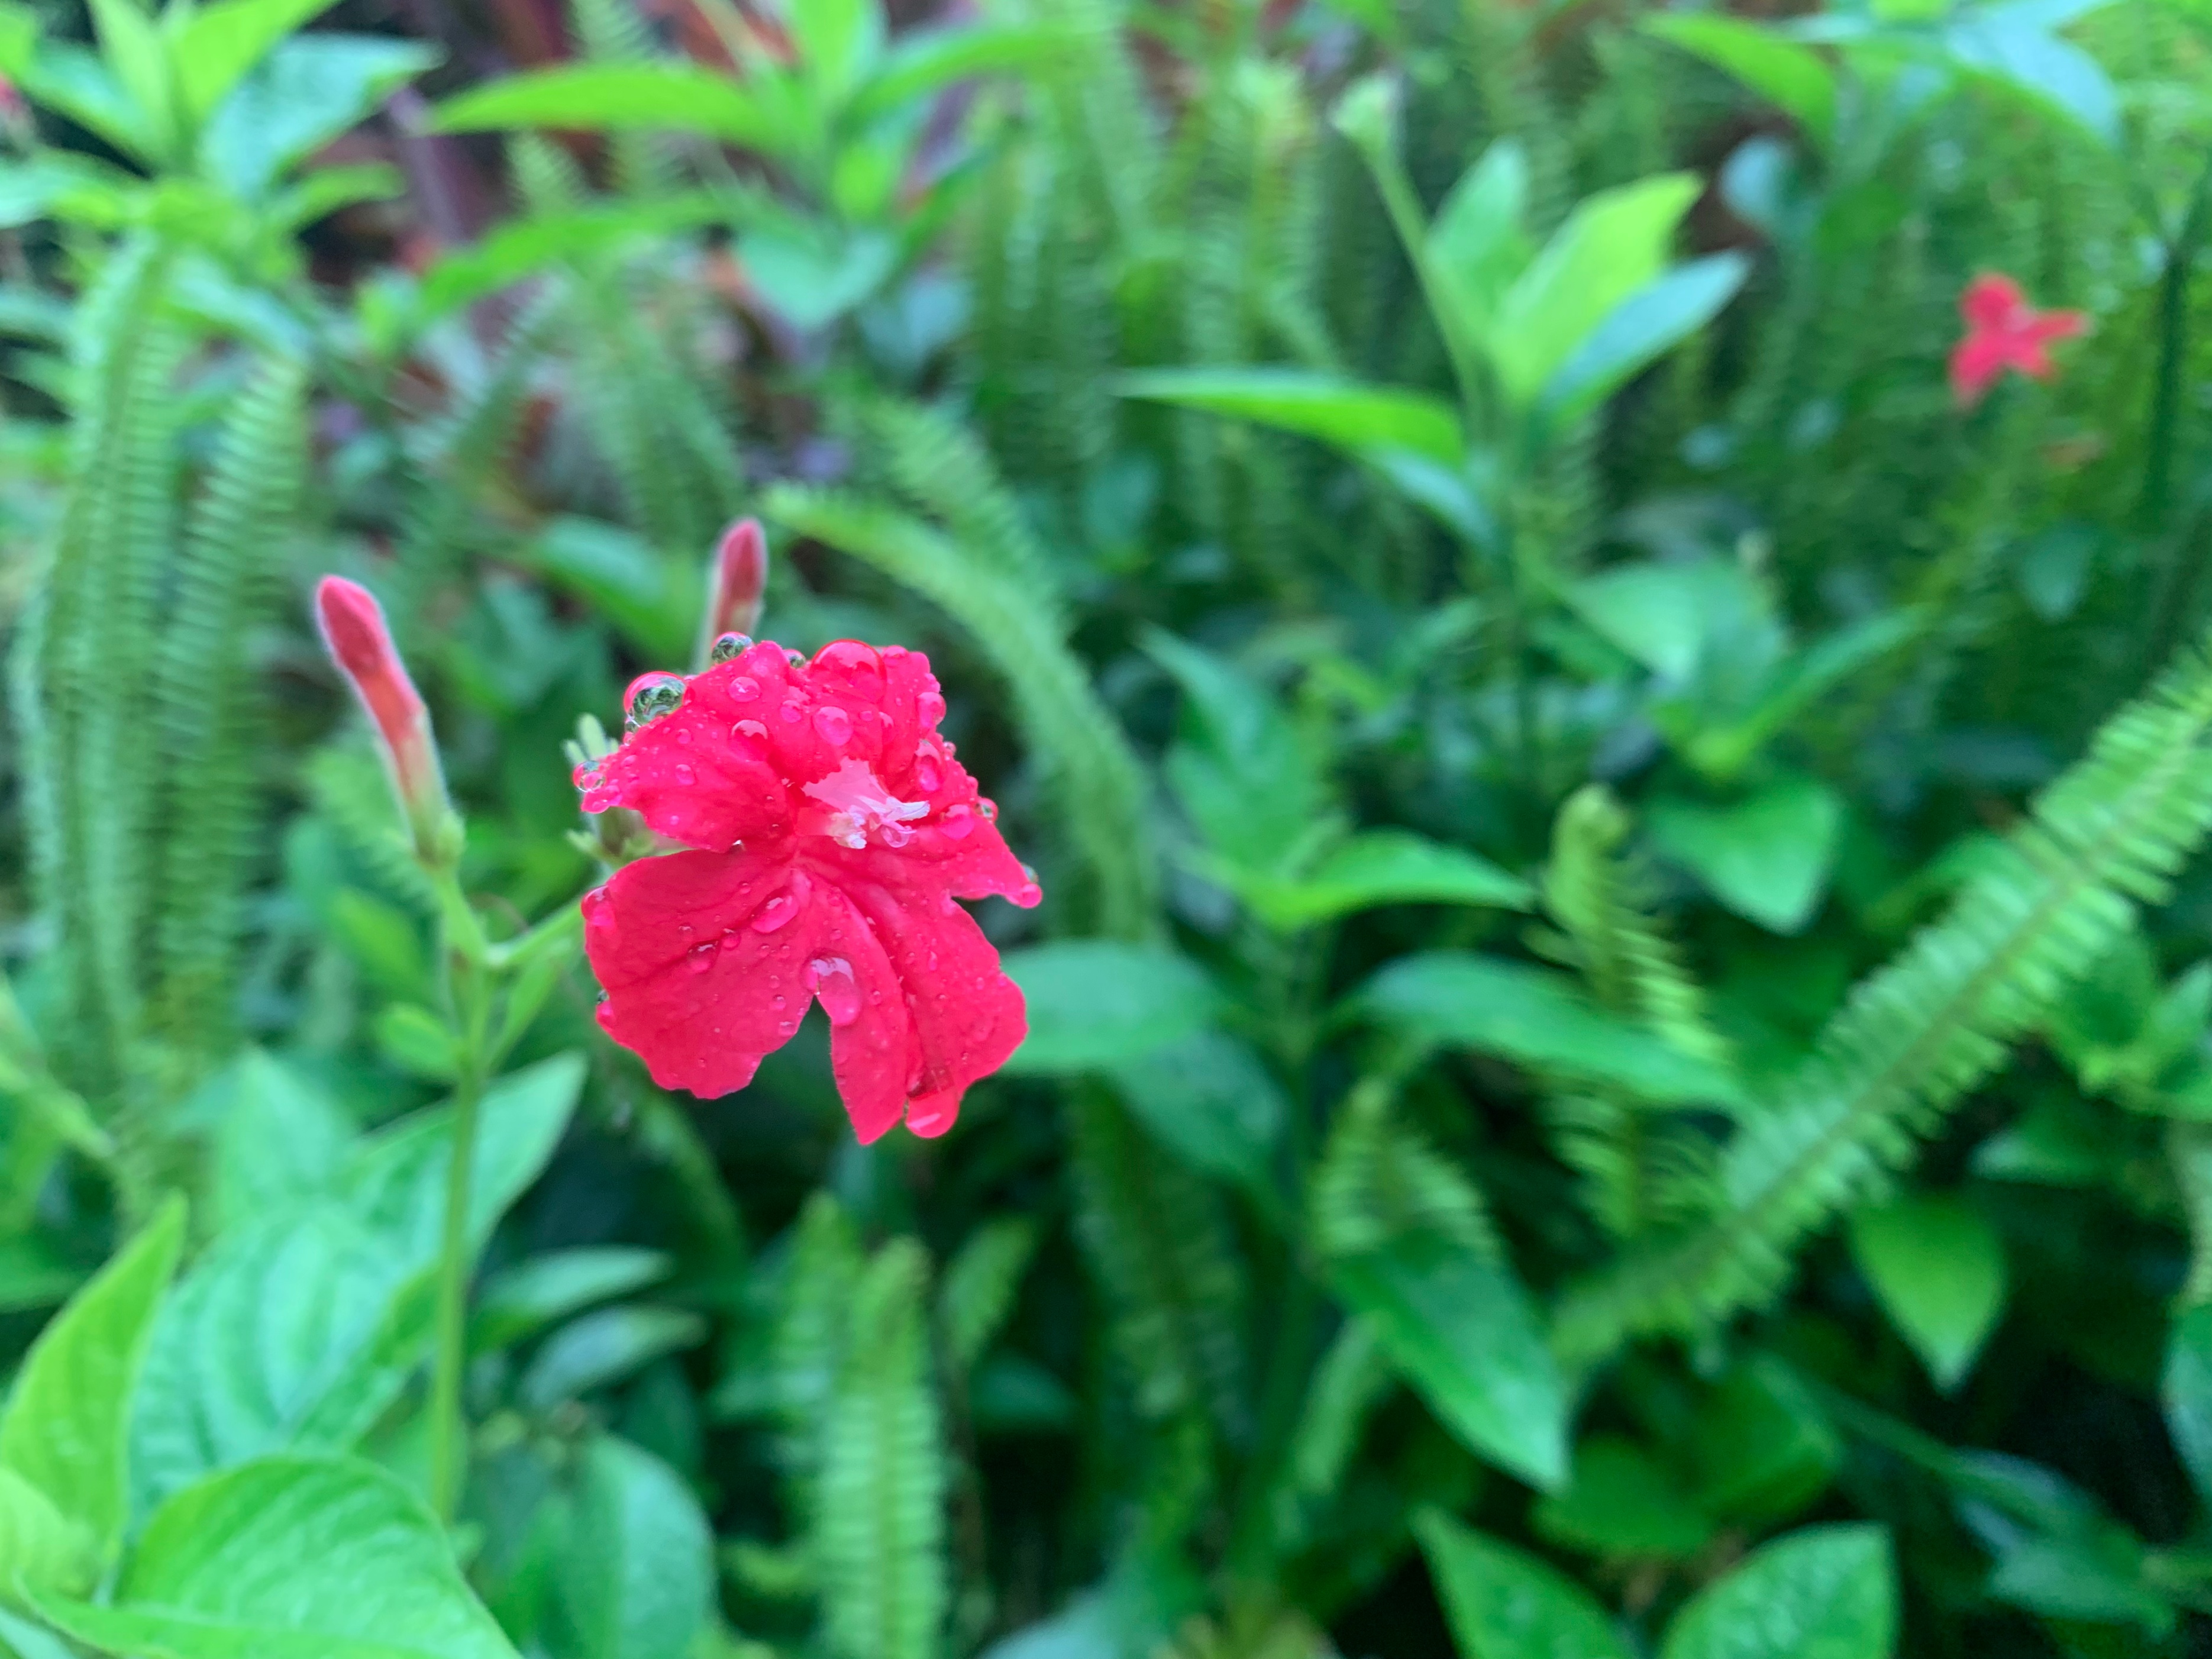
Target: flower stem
449,1430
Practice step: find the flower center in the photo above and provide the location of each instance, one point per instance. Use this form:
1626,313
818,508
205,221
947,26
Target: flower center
859,808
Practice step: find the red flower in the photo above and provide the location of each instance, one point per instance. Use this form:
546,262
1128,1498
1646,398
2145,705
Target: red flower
833,830
2004,332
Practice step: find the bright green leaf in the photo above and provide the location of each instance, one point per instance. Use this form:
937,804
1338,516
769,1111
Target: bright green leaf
41,1548
1476,244
305,93
603,1347
278,1137
923,60
220,43
619,97
1351,415
1937,1267
290,1558
1670,617
1660,315
1766,857
1093,1003
1794,78
65,1428
1504,1603
1818,1592
1611,245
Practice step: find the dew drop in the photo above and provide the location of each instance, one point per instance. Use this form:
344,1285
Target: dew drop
830,979
743,688
928,773
834,724
700,958
989,809
796,658
650,696
684,774
748,729
729,647
791,712
959,823
774,913
777,1001
930,707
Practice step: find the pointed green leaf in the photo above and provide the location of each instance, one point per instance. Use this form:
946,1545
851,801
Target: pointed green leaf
1642,328
1207,1098
1463,1332
1794,78
1937,1267
1612,245
1093,1003
1503,1603
1476,244
221,42
1351,415
619,97
64,1432
2186,1389
1818,1592
290,1558
1620,1502
632,1571
1378,866
40,1548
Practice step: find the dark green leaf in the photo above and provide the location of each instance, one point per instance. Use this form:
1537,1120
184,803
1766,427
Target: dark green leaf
2186,1389
1620,1502
1794,78
1818,1592
633,1572
605,1347
1504,1604
1766,857
1378,866
535,1293
1937,1267
1208,1098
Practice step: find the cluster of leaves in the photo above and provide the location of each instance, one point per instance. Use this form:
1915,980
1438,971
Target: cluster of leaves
1621,1031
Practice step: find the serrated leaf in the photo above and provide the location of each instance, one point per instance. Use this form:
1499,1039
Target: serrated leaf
1818,1592
65,1431
1503,1603
1937,1267
290,1558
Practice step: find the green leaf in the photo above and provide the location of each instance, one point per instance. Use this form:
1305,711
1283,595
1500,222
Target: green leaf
219,44
294,1332
923,60
290,1558
1476,244
305,93
40,1548
613,568
982,1283
605,1347
1794,78
2185,1387
1093,1003
1612,245
1620,1502
1539,1017
1766,857
618,97
2039,66
839,42
1819,1593
1764,1447
1208,1099
1937,1267
1377,866
396,1182
812,270
1503,1603
632,1571
64,1432
536,1292
1672,618
278,1137
1463,1331
134,53
1351,415
1642,328
75,82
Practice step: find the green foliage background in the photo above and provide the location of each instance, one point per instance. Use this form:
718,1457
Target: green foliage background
1621,1051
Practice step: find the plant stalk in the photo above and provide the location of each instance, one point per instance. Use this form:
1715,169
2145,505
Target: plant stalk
448,1420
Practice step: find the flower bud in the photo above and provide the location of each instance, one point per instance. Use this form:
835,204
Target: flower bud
735,583
354,633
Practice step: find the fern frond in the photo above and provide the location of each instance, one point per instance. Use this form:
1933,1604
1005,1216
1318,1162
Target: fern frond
938,467
879,1529
1158,1240
811,1338
208,704
1917,1036
1080,746
1380,1180
86,659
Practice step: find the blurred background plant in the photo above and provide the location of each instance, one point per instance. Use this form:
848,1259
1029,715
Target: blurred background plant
1618,1055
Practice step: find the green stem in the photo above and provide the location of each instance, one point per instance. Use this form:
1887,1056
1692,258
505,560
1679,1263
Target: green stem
448,1421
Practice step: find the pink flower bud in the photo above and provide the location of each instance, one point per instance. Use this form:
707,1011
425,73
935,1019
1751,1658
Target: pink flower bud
735,583
354,633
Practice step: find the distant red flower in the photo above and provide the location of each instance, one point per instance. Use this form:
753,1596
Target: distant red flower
833,830
2004,332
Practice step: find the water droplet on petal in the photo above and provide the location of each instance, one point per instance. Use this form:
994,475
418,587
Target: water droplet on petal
830,979
745,688
748,729
928,773
777,1001
684,774
930,707
650,696
959,823
729,647
774,913
796,658
989,809
834,724
700,958
792,711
